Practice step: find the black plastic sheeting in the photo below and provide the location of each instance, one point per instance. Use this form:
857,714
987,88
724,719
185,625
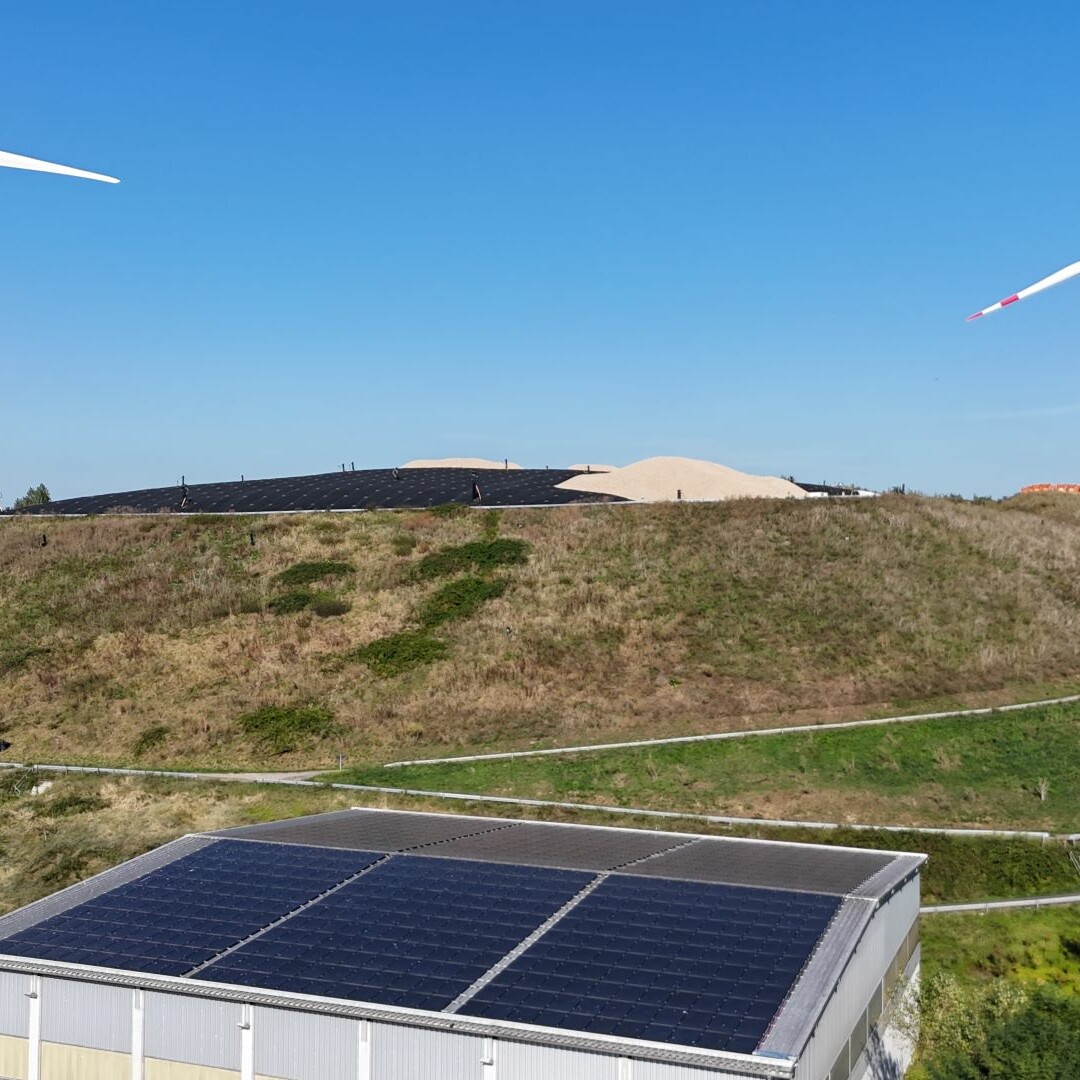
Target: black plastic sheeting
362,489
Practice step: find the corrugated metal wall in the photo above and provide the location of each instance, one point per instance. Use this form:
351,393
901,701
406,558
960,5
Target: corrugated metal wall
525,1061
657,1070
420,1054
14,1006
193,1030
885,934
90,1024
82,1014
304,1046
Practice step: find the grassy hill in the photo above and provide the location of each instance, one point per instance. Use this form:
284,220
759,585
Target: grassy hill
280,642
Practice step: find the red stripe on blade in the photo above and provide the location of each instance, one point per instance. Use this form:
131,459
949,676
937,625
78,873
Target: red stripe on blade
1010,300
977,315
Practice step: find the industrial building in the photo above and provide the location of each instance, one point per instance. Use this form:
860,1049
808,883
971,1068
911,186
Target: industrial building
384,945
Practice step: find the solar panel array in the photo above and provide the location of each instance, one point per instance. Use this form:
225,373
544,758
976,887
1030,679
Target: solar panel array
414,932
179,916
363,489
667,961
589,930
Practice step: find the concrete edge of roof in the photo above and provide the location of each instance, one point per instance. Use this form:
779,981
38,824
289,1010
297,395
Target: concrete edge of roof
754,1065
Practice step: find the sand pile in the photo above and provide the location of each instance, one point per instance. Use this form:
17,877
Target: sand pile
458,463
592,468
660,479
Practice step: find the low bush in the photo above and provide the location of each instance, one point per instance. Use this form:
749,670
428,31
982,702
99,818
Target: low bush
476,555
72,802
291,602
13,657
398,653
459,599
327,606
150,739
283,728
305,573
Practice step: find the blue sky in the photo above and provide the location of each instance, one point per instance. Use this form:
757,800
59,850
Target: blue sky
551,231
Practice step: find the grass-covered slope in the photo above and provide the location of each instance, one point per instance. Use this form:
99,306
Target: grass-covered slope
1019,770
383,635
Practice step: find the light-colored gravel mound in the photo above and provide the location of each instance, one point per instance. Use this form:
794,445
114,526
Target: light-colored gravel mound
592,468
661,479
458,463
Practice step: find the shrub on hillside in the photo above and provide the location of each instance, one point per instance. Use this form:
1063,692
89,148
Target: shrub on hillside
305,573
283,728
476,555
291,602
398,653
459,599
327,606
150,739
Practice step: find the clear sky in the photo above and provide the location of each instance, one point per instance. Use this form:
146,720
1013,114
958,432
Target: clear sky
555,231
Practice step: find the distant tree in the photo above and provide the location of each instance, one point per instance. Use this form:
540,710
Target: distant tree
35,496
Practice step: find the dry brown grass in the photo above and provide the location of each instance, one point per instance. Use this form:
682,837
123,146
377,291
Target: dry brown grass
625,622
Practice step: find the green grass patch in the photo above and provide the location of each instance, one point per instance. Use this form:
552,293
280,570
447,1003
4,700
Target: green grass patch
1034,947
281,729
1013,770
304,573
459,599
398,653
478,555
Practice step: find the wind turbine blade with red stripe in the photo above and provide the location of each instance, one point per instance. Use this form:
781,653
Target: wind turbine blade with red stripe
1047,282
17,161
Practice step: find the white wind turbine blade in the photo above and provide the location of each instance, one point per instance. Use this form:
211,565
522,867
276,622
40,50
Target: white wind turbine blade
17,161
1047,282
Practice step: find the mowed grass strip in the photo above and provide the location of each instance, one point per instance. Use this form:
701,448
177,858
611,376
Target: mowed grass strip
1015,771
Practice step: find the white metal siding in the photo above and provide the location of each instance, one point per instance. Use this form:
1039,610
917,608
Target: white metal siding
406,1053
14,1005
866,969
86,1014
193,1030
658,1070
305,1046
899,913
528,1061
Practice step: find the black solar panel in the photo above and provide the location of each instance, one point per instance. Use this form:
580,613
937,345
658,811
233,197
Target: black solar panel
678,962
768,865
364,489
413,932
188,911
368,830
568,846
